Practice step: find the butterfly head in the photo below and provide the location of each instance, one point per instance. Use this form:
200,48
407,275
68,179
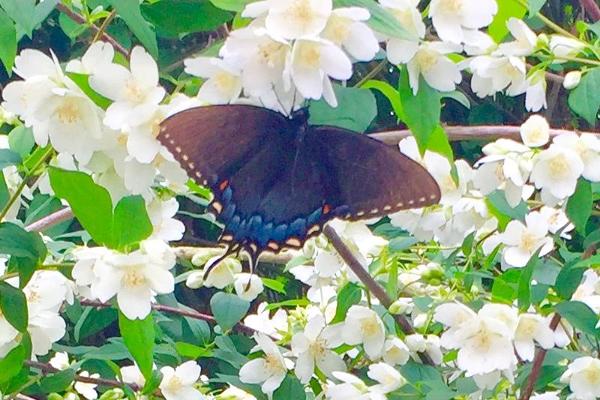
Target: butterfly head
300,116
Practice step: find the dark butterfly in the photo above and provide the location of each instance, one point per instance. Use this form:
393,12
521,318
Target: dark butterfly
277,180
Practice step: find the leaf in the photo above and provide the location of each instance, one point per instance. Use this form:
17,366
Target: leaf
499,207
389,92
534,6
131,223
14,306
20,140
350,294
356,109
176,17
290,389
421,111
8,38
439,143
58,381
459,97
580,315
381,20
506,9
568,279
228,309
129,11
584,100
138,336
9,157
22,12
579,205
231,5
82,80
12,363
26,249
524,294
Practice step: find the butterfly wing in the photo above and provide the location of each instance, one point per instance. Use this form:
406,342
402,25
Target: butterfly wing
373,179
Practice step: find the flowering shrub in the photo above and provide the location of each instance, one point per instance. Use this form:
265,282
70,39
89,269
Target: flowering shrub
493,293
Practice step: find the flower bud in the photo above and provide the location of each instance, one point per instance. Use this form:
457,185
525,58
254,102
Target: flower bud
195,280
113,394
403,305
572,79
71,396
201,256
535,131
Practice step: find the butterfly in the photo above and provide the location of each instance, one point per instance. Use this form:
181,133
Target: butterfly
277,180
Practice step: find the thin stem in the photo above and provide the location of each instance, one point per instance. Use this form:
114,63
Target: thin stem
50,220
578,59
104,25
551,24
371,74
374,288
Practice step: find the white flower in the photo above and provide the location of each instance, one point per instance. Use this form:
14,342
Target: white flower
437,69
312,347
572,79
135,92
400,51
270,370
60,361
132,374
313,62
245,290
494,74
87,390
351,388
564,47
178,383
135,278
535,94
557,221
525,39
263,322
546,396
395,351
583,377
588,291
296,19
452,315
161,215
452,17
364,326
429,344
223,274
556,171
346,28
260,57
388,377
45,328
223,84
235,393
535,132
522,241
98,56
587,146
532,328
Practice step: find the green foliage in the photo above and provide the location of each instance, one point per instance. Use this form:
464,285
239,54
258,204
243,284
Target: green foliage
580,315
349,295
9,157
14,306
26,249
22,12
126,226
381,20
584,100
58,381
138,336
8,38
20,140
12,363
231,5
579,206
228,309
176,17
290,389
355,111
506,10
129,10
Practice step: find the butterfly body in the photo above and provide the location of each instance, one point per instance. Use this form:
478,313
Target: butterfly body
278,180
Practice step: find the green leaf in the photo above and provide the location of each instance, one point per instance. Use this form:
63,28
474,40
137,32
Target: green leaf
389,92
506,9
12,363
77,188
534,6
580,315
350,294
138,336
20,140
131,223
356,109
584,100
26,249
499,207
231,5
22,12
228,309
129,10
524,294
568,279
58,381
290,389
381,20
579,205
82,80
459,97
176,17
14,306
438,142
421,111
9,157
8,38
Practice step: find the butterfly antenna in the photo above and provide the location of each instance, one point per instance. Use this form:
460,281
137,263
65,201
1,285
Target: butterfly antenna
230,250
252,263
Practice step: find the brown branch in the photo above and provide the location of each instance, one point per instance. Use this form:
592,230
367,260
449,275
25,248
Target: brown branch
104,36
50,220
370,283
592,9
540,354
49,369
172,310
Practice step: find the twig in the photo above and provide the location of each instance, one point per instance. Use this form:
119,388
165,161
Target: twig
592,9
49,369
370,283
81,20
172,310
104,26
50,220
541,353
